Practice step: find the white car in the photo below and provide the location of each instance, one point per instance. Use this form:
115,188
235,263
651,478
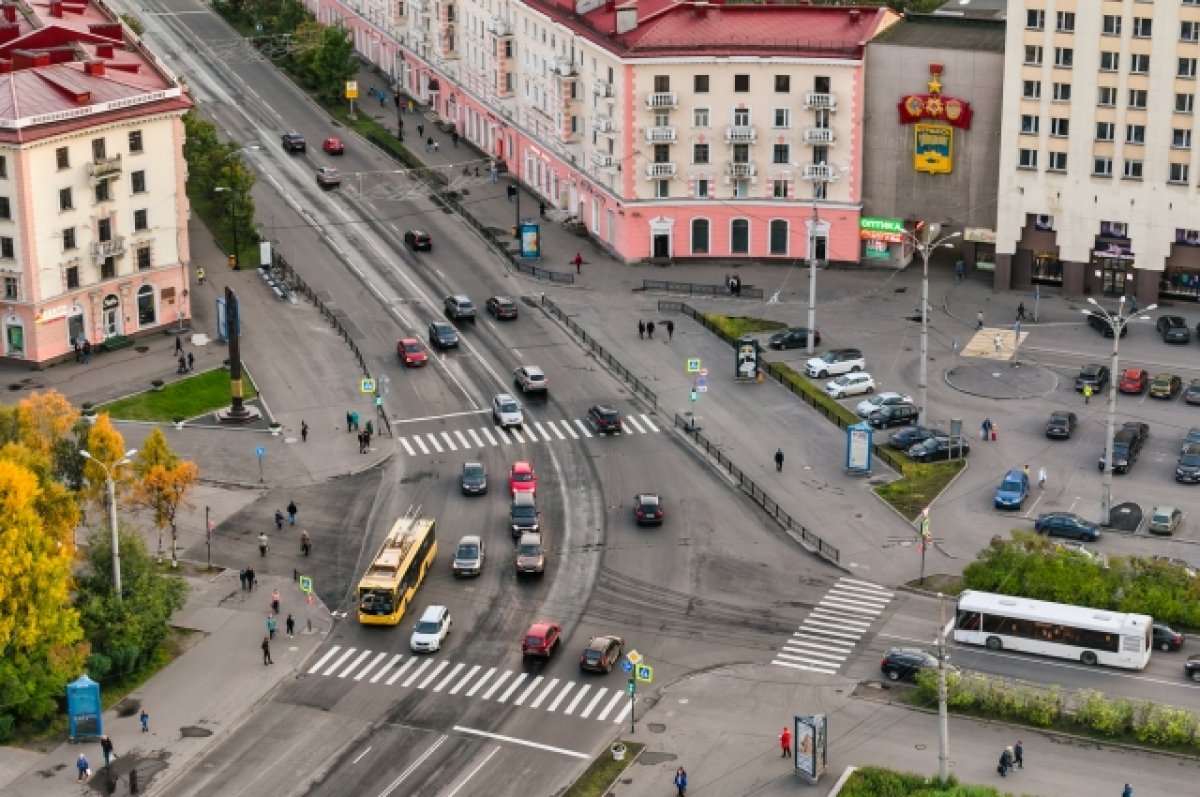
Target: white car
430,630
506,411
529,378
850,385
868,406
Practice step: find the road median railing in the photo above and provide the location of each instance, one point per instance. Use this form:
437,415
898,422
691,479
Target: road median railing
636,385
518,263
701,289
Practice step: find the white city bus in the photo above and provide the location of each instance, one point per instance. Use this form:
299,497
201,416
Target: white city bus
1092,636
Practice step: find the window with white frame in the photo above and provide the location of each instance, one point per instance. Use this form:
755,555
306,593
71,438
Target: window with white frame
1035,19
700,153
1189,31
1064,57
1110,61
1135,134
741,117
1031,89
700,117
1106,96
1027,159
662,189
1133,170
779,189
700,188
1102,167
1137,98
1064,22
1184,103
741,189
1062,92
1030,124
1186,68
1060,127
1139,64
1181,138
1110,25
1105,131
778,234
1033,55
739,237
1143,27
1058,161
1178,173
783,118
700,236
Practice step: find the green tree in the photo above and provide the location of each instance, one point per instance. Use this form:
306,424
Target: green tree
134,23
327,67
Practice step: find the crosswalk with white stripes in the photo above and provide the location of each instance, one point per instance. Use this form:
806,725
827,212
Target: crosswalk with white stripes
567,698
532,432
827,636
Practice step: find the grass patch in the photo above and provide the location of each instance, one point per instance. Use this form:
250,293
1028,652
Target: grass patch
186,398
918,486
874,781
732,327
594,782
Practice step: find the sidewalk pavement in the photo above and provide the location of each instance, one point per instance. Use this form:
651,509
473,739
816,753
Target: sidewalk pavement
723,726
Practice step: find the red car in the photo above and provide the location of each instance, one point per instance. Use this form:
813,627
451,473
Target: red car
1134,380
334,146
541,639
411,352
522,479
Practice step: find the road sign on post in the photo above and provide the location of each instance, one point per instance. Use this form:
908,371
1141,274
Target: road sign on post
366,385
693,365
634,657
260,452
306,584
644,673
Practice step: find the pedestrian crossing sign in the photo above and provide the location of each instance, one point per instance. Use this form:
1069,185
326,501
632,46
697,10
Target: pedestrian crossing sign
693,365
367,386
306,584
644,673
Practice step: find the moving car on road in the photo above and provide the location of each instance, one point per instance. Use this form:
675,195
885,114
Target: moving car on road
541,639
1173,329
1012,491
442,335
411,352
328,177
1066,524
459,307
502,307
1134,381
647,509
506,411
1191,668
1167,638
601,654
468,556
1061,425
523,515
850,385
430,630
604,419
794,338
531,556
474,479
293,142
419,241
900,663
531,378
333,146
522,479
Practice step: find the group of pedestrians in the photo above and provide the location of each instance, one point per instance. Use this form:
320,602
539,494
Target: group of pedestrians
1011,758
646,329
248,578
83,350
84,767
364,439
187,361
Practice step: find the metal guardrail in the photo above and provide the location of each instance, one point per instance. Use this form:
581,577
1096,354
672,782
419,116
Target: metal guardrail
636,385
700,289
757,494
517,262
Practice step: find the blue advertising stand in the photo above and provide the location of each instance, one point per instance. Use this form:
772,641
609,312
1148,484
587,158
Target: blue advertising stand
859,448
84,717
531,240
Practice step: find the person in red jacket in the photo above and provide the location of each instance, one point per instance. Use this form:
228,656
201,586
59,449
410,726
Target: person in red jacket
785,742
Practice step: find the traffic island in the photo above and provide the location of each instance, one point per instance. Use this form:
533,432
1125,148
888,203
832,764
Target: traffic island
599,778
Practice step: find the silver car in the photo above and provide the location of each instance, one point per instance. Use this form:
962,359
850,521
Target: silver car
468,557
506,411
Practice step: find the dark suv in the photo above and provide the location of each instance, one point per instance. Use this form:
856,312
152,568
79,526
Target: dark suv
1097,322
900,663
1173,329
604,419
893,415
293,142
1094,375
1127,444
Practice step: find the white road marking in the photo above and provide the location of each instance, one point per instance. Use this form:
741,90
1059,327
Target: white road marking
462,439
554,428
354,664
624,712
340,660
359,757
592,705
521,676
516,434
583,428
504,676
421,445
529,435
470,674
562,693
545,435
407,447
608,708
646,420
436,672
416,673
521,698
631,421
475,436
545,693
479,684
449,677
513,740
412,767
473,772
398,674
386,667
823,670
570,709
488,434
449,442
433,442
443,417
321,661
570,431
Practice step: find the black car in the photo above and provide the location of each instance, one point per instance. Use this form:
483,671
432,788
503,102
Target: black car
1061,425
1127,444
474,478
647,509
442,335
1167,638
1173,329
937,448
909,436
1093,374
794,338
1066,524
1187,470
294,142
1097,322
604,419
1191,438
419,241
601,654
502,307
1191,667
893,415
900,663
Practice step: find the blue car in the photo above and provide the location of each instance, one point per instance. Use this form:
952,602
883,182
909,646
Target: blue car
1012,490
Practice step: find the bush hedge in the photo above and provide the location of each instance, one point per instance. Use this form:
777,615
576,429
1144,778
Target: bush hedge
880,782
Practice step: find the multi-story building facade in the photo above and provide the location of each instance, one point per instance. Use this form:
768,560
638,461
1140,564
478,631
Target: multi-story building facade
93,214
670,129
1098,171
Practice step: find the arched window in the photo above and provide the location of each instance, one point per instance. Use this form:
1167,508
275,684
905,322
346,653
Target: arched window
145,305
779,237
699,236
739,237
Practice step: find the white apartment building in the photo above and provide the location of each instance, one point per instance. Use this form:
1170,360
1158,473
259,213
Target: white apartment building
1098,170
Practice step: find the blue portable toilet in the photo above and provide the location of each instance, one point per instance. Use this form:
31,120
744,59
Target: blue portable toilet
84,716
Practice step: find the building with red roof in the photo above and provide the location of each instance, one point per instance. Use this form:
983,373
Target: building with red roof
670,129
93,213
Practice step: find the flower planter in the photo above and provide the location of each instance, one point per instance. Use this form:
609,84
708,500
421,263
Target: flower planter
275,429
618,751
88,410
178,421
156,385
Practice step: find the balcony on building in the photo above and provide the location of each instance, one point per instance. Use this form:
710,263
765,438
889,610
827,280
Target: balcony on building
498,26
603,125
603,161
114,247
660,134
819,172
562,67
662,99
819,135
602,88
741,134
655,171
817,99
740,170
105,168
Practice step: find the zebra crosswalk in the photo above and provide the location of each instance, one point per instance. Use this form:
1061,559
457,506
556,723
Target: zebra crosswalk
587,701
827,636
424,444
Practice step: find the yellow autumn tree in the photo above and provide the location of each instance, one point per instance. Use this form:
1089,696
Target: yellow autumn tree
106,447
44,419
163,483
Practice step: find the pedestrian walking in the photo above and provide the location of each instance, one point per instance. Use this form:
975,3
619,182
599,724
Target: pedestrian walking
420,129
1133,305
305,542
578,262
411,107
986,428
303,431
87,351
779,460
641,329
251,578
995,431
454,139
262,544
1087,393
1127,791
495,171
278,520
362,442
367,438
979,321
737,285
349,422
242,578
1021,311
1026,469
291,507
178,345
272,626
275,600
191,358
1018,755
182,369
541,210
681,783
650,330
290,624
396,98
106,747
370,431
1005,762
354,420
266,649
382,98
78,347
998,343
960,270
144,718
670,329
429,144
85,769
785,742
1042,477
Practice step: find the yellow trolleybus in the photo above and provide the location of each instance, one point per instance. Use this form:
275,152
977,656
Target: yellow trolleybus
397,570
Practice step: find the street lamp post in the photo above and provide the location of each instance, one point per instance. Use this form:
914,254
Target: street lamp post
925,247
233,258
112,510
1116,323
818,177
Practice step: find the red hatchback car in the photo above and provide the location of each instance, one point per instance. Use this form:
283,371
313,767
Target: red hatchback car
541,639
411,352
334,146
522,479
1134,380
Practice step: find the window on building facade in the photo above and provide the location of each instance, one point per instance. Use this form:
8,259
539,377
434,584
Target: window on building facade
779,237
1142,27
1135,134
779,189
1110,62
1186,68
1105,131
108,268
741,84
1137,98
1110,25
137,182
104,230
1031,89
144,261
65,200
1181,138
1133,170
741,153
1064,22
1027,159
662,189
783,118
700,84
701,187
1178,173
135,140
1062,92
1030,124
700,117
68,239
1184,103
7,249
12,287
700,153
1057,161
140,221
1033,54
820,190
98,149
102,191
741,189
72,277
1060,127
699,236
1106,96
1139,64
821,84
661,83
739,237
783,84
1189,31
781,153
1035,19
741,117
1102,167
662,153
62,158
5,210
822,118
1064,57
3,167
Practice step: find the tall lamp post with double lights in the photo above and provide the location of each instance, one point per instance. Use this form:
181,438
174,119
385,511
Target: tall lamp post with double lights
817,176
112,509
233,225
924,241
1116,323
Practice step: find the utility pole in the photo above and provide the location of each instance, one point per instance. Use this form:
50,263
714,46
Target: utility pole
943,714
208,536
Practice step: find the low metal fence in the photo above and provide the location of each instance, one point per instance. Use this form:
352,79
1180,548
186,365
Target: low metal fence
636,385
516,261
701,289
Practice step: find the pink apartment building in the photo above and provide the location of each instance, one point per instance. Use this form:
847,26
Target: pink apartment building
672,130
93,214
